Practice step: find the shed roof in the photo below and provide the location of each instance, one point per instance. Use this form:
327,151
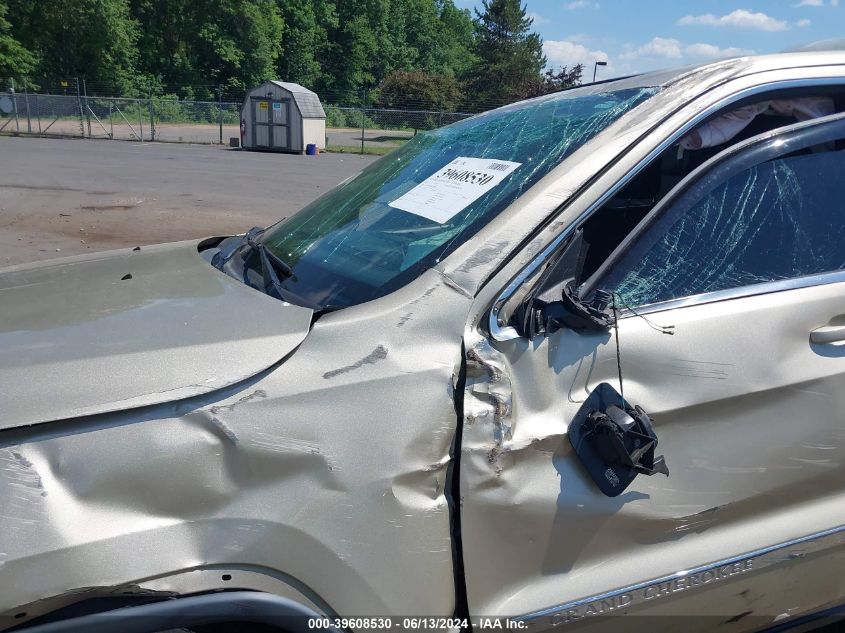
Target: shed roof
307,101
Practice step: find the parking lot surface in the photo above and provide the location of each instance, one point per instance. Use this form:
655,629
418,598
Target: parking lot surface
63,197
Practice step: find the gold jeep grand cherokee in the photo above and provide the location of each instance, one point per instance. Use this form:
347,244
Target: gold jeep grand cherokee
577,362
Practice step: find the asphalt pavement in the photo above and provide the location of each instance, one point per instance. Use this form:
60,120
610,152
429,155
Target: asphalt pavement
67,196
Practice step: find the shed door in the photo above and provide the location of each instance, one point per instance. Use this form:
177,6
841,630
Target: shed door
279,113
261,122
271,123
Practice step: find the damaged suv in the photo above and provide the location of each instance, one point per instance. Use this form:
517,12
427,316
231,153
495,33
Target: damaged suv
580,356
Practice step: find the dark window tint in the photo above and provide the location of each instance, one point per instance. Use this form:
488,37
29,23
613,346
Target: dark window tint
780,219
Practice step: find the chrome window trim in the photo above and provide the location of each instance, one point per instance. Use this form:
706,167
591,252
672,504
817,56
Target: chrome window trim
638,593
769,287
501,332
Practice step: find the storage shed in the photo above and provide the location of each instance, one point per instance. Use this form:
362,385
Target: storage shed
282,117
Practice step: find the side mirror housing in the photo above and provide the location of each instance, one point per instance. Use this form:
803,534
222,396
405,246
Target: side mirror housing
535,316
614,441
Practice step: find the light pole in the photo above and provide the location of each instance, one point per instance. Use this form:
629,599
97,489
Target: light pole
596,67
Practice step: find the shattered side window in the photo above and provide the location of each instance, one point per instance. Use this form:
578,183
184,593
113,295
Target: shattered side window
780,219
402,214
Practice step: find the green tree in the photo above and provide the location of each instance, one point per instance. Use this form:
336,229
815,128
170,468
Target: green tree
557,80
455,49
370,39
432,36
16,62
307,45
94,39
166,44
344,49
300,44
510,55
417,89
238,42
327,22
407,29
192,46
352,62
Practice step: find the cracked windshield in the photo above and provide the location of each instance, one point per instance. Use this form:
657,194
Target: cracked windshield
402,214
766,223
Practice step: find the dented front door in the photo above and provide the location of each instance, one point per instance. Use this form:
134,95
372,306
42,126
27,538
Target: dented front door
748,399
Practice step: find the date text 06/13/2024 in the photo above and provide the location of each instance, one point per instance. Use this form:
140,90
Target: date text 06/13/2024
415,623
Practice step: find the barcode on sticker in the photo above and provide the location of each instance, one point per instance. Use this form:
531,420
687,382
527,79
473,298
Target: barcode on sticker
498,167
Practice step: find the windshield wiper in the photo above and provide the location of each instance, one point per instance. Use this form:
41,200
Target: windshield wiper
225,254
271,265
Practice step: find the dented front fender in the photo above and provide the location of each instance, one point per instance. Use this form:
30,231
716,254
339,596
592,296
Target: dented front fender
321,468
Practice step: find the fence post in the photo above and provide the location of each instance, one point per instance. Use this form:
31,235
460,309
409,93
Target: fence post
81,114
15,105
37,112
363,114
111,119
220,110
87,107
140,121
28,117
152,114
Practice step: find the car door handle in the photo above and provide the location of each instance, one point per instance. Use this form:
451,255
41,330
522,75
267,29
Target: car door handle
828,334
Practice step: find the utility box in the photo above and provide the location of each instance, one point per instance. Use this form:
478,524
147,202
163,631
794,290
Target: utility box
279,116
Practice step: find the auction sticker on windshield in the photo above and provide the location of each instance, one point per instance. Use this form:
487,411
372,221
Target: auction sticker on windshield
453,188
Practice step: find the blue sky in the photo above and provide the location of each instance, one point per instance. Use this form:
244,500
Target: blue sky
640,35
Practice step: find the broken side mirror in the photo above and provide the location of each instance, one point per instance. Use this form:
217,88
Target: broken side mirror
554,302
540,317
614,441
536,316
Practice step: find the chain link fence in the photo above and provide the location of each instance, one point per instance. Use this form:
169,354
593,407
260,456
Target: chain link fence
378,130
151,119
348,129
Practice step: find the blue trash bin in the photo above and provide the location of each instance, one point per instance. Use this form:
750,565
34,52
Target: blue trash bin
311,149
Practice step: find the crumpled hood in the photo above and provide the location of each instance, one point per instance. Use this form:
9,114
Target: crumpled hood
78,336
